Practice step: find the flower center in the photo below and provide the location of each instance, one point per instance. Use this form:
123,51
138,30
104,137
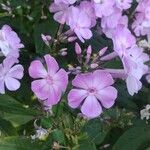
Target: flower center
92,90
49,79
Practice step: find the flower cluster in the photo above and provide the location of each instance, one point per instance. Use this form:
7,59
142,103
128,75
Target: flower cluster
110,13
141,25
10,70
92,79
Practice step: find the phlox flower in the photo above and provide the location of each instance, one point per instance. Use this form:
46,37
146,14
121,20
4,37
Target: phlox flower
91,92
50,81
88,8
61,11
103,7
123,39
80,25
123,4
133,61
141,25
10,74
9,42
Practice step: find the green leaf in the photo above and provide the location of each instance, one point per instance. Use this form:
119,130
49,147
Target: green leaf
18,143
12,110
136,138
7,128
95,131
88,145
10,105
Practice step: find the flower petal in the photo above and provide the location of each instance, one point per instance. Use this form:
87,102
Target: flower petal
54,96
12,84
16,72
91,107
107,96
37,70
52,65
9,62
102,79
40,88
75,97
2,86
133,85
61,79
83,80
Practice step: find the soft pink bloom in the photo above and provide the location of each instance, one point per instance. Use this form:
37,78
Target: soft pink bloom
61,11
103,7
123,4
141,25
91,93
133,60
9,42
9,74
50,82
112,23
88,8
80,25
112,20
123,39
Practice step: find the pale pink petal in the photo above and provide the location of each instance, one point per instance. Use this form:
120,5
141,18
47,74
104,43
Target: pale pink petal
12,84
37,70
40,88
85,33
61,79
107,96
102,79
133,85
91,107
2,86
52,65
16,72
83,81
76,96
9,62
61,17
54,96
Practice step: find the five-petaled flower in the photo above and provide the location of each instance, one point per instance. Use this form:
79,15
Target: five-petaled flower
93,90
9,74
50,82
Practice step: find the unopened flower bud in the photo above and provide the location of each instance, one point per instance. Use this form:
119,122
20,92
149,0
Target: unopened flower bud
78,49
72,38
103,51
88,52
46,39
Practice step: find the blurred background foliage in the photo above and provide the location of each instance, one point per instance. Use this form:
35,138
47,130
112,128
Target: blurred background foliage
119,128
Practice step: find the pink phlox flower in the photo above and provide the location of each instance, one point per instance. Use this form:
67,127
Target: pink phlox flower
133,61
9,42
50,82
103,7
123,39
88,8
61,11
10,74
123,4
91,93
80,25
